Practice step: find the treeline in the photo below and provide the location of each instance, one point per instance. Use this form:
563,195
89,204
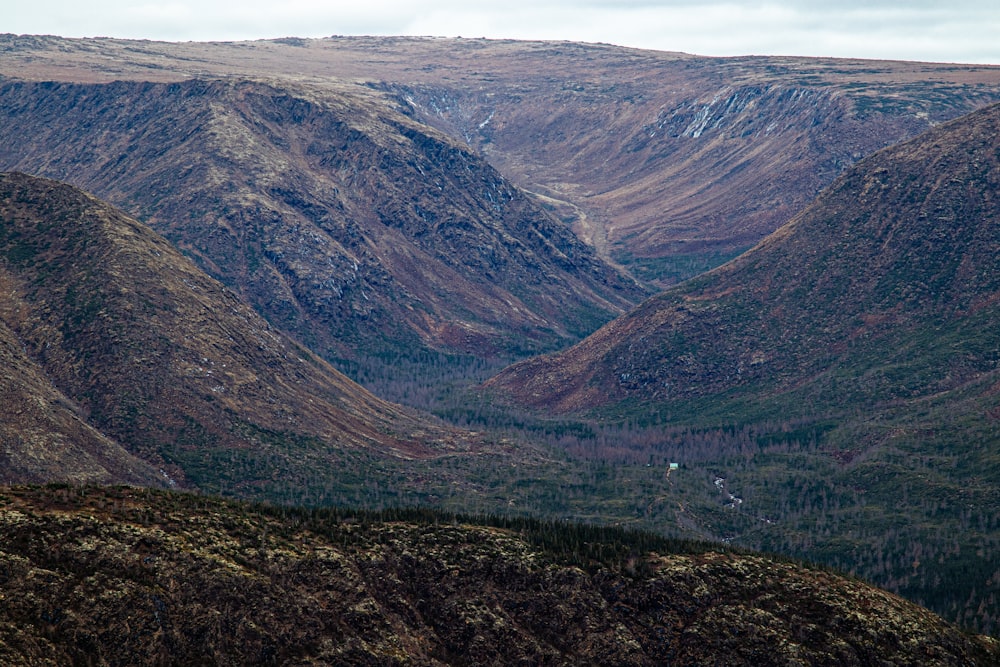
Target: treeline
919,517
583,545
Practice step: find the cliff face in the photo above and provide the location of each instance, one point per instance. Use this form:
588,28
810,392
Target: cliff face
130,576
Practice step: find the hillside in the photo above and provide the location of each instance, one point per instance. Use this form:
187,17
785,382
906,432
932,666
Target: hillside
366,235
840,379
126,363
890,279
109,328
831,395
119,576
43,436
665,163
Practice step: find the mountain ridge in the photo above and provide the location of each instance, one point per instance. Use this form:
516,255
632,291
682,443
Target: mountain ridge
805,281
167,361
331,213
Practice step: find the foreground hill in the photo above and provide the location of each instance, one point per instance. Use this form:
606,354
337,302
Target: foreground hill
108,327
885,288
125,576
667,163
366,234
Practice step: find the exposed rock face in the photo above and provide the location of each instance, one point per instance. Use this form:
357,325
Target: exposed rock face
127,576
106,325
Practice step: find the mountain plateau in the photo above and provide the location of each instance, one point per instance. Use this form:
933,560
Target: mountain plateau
666,163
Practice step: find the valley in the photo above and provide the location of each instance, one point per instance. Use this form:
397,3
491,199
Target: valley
851,360
313,262
368,237
683,161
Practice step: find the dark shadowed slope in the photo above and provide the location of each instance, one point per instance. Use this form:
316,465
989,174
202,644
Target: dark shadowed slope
359,230
43,435
665,162
121,576
155,354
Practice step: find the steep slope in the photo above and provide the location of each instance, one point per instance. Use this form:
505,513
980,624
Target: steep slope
153,353
668,163
43,435
355,228
891,275
124,576
845,372
673,165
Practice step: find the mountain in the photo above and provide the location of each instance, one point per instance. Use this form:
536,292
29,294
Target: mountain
856,427
666,163
126,363
669,163
117,575
885,288
402,206
363,233
115,337
839,381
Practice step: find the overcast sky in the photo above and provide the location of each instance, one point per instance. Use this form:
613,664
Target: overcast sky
934,30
